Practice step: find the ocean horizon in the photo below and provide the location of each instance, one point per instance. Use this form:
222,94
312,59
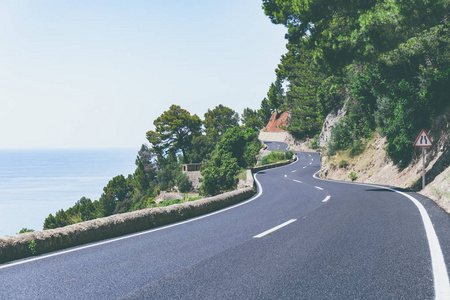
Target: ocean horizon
37,182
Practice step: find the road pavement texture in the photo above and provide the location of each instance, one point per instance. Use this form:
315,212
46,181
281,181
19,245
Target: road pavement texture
300,237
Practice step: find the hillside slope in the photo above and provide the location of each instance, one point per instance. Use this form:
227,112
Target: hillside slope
374,166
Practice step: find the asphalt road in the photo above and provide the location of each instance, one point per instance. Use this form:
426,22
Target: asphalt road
300,238
275,146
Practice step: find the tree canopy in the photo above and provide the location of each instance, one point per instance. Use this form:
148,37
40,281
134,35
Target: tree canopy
174,131
177,139
219,120
276,94
382,59
251,119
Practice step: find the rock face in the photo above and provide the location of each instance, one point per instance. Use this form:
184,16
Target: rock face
330,121
375,166
278,122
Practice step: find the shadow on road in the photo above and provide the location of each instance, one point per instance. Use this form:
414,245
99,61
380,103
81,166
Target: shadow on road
390,190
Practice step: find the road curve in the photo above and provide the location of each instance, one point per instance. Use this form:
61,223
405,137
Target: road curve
300,237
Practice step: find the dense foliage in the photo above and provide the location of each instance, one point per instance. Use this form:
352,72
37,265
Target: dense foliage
223,146
387,61
236,150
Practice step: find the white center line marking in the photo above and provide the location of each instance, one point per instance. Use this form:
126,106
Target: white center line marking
294,171
297,181
273,229
326,199
304,167
319,188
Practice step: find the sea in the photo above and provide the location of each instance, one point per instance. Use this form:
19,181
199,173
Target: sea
36,183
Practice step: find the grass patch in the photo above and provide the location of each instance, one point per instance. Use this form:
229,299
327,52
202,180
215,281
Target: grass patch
186,198
276,156
242,175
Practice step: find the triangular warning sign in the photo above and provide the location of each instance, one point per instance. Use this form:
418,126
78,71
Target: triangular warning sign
423,140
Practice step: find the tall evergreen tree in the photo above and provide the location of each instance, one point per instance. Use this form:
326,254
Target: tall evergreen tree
174,131
219,120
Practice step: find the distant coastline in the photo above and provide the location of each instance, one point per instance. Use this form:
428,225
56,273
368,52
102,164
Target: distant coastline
37,182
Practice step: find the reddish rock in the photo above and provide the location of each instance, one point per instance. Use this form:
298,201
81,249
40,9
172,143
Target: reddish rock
278,122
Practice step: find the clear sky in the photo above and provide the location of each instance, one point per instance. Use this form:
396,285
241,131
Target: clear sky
83,73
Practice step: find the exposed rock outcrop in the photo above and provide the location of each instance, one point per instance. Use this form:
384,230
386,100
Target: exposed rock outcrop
278,122
375,166
330,121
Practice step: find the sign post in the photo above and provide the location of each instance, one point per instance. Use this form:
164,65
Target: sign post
423,141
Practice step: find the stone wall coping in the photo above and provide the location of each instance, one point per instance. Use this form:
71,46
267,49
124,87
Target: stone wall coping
18,246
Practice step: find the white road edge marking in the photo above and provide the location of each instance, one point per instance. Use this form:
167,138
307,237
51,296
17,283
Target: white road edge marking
440,275
95,244
326,199
274,229
318,187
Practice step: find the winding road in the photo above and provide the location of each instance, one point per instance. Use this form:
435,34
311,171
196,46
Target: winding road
300,237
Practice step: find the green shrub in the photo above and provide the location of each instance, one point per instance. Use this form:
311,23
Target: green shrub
183,183
32,247
352,176
273,157
343,164
265,160
289,154
357,148
195,198
314,144
219,173
23,230
341,136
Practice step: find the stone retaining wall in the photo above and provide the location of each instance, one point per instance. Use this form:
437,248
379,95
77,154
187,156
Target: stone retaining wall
17,246
270,166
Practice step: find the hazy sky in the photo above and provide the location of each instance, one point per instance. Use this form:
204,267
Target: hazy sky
97,73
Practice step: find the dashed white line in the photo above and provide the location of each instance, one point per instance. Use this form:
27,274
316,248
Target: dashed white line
318,187
297,181
326,199
293,171
440,275
273,229
304,167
